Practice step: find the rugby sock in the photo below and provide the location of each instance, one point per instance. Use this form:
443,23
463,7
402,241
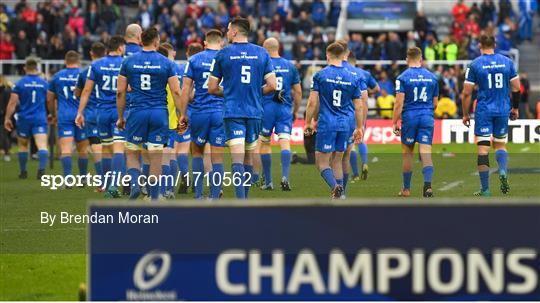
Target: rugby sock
117,160
82,163
23,158
216,181
407,179
98,168
428,174
165,179
354,163
328,177
173,170
249,170
285,163
134,173
43,156
66,165
502,158
146,173
106,164
123,164
154,191
183,164
255,178
484,179
197,165
362,148
345,180
238,169
266,160
339,182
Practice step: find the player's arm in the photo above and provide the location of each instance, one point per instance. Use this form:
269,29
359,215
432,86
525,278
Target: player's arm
51,105
398,108
121,89
516,98
359,113
213,86
364,101
10,110
270,84
312,111
296,92
435,102
185,96
466,101
85,95
375,89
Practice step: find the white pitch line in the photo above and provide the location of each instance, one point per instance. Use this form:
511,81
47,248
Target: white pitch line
451,185
526,148
491,171
40,229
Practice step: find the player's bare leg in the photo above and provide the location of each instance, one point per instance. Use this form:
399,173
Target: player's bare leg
427,170
207,158
238,153
22,144
501,155
119,159
82,161
266,159
197,166
155,156
66,144
483,166
408,154
346,166
43,153
285,145
250,154
133,164
255,178
182,151
216,179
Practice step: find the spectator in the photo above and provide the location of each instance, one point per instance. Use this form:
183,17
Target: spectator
525,89
7,48
5,136
474,48
4,18
451,49
290,25
487,12
22,45
411,40
208,18
76,23
471,26
18,24
420,23
505,10
318,12
394,48
386,84
276,25
368,53
304,23
335,11
42,46
300,47
446,108
385,104
71,42
110,13
356,45
92,18
460,11
527,9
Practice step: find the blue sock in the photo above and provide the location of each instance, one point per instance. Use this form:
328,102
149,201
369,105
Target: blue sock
43,156
484,179
249,174
98,168
339,182
285,163
117,162
407,179
238,170
328,177
217,180
106,164
502,158
354,163
154,192
146,169
134,184
428,174
82,163
345,180
197,165
165,172
66,165
123,164
173,169
23,158
363,150
255,178
266,160
183,164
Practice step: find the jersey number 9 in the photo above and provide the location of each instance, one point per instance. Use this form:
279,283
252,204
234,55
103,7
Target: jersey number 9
336,96
145,82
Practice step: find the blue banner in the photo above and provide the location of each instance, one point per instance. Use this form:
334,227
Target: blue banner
297,251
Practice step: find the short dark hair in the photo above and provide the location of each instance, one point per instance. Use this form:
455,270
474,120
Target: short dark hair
163,50
115,42
487,41
194,48
149,36
414,53
31,64
72,57
98,49
167,46
242,24
213,36
343,44
351,58
336,50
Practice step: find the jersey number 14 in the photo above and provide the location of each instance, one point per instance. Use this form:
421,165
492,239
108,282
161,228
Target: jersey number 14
423,94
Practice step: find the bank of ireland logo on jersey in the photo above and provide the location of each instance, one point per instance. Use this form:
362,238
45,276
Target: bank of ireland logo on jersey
150,272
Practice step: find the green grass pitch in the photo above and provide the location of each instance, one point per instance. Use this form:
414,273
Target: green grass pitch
42,263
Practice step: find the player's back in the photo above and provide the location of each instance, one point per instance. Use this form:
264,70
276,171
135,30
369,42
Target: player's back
131,49
63,84
92,99
32,92
419,86
198,70
104,72
147,73
243,68
337,88
286,77
492,73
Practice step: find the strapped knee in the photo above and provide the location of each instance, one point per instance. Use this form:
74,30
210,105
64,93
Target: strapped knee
483,141
265,139
94,140
483,160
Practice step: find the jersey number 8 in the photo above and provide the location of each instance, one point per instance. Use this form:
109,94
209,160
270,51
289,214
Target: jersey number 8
145,82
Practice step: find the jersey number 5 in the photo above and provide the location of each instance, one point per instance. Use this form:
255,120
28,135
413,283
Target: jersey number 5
246,74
